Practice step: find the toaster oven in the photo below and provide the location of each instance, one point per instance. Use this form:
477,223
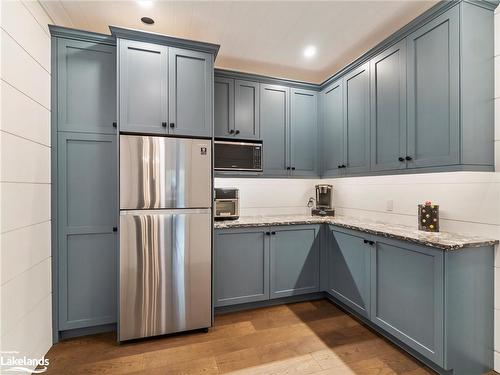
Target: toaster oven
227,204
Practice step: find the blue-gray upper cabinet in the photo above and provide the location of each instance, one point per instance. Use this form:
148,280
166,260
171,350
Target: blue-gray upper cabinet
433,92
349,269
241,266
223,107
294,264
388,109
87,242
246,109
407,295
143,76
303,132
86,87
275,128
357,120
190,86
332,135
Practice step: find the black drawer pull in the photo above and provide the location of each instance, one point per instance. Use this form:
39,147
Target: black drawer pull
409,158
114,124
401,159
237,132
172,125
164,124
231,131
115,229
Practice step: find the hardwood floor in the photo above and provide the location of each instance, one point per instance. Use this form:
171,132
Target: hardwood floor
301,338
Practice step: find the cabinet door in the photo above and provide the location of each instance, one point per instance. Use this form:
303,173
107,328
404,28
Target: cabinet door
407,295
357,120
294,261
333,129
303,132
241,266
223,107
190,92
349,271
388,109
142,87
87,213
433,92
274,125
86,87
246,111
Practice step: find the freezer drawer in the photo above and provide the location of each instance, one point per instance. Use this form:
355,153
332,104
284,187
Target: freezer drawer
162,172
165,272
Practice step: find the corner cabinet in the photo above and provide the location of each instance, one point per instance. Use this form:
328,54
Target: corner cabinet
332,137
164,90
349,270
241,266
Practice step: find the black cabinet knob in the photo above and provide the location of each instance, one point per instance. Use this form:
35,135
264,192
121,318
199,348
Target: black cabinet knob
339,166
343,166
231,131
172,125
237,132
268,233
288,168
115,229
114,124
273,233
293,168
401,159
408,158
164,124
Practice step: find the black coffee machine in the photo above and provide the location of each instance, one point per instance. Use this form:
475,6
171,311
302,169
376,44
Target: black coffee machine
324,201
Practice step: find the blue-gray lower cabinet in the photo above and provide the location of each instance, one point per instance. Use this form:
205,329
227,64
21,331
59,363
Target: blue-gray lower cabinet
294,260
349,257
241,266
87,241
407,295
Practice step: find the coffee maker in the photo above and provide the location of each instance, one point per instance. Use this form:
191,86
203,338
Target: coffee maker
324,201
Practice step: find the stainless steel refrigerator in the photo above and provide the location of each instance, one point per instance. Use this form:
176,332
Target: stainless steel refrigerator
165,235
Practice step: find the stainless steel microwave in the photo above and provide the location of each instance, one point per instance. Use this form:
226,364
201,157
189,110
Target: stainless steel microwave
237,156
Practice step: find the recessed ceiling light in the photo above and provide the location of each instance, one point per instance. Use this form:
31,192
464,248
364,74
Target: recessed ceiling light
310,51
147,20
145,3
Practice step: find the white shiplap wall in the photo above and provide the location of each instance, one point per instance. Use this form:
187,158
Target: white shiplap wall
25,257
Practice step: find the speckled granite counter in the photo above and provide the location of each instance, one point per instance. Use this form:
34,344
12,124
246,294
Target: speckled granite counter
443,240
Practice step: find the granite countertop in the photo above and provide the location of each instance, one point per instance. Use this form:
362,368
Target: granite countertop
442,240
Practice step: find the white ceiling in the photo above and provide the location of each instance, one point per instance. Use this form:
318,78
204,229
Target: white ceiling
264,37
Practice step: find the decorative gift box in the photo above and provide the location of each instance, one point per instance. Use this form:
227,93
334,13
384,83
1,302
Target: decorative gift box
428,217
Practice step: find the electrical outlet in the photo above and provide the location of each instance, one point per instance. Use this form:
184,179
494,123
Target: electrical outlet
389,205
